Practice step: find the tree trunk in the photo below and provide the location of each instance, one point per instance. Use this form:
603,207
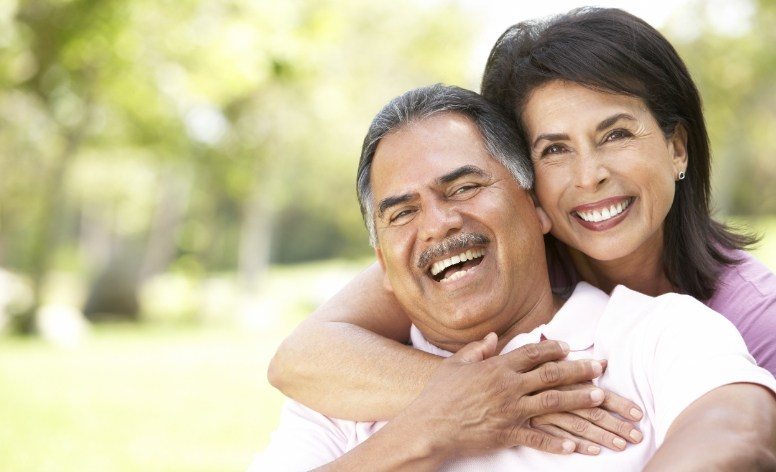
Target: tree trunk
44,242
255,239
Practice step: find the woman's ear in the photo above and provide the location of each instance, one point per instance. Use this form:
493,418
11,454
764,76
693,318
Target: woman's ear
381,261
678,143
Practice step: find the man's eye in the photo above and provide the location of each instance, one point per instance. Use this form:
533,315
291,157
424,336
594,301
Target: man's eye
553,149
400,215
617,134
463,189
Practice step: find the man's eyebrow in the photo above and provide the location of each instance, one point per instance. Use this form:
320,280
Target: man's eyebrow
389,202
614,119
461,172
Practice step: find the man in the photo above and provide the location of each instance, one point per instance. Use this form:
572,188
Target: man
462,250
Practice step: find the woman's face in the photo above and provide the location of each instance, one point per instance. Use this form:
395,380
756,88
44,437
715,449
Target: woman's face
605,172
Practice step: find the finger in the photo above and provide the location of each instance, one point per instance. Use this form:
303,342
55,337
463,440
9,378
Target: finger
609,422
583,446
529,356
554,401
552,374
622,406
612,401
582,428
539,440
477,351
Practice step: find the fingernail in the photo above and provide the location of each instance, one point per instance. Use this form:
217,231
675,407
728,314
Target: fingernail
619,442
568,447
635,413
597,368
593,449
636,435
597,395
564,346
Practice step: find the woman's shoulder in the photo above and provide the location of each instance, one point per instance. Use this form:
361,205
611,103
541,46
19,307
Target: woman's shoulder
746,295
748,281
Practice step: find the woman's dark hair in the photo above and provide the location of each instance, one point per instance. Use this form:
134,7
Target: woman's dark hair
613,51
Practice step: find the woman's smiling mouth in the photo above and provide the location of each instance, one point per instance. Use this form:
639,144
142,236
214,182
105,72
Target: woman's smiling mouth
603,214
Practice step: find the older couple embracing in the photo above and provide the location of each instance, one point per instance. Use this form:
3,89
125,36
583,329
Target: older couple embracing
554,222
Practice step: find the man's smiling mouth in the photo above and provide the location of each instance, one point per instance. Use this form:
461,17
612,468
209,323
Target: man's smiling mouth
461,252
455,267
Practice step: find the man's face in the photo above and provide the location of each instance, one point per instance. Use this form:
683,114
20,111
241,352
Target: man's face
460,242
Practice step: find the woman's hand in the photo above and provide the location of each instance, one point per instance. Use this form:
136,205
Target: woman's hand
609,425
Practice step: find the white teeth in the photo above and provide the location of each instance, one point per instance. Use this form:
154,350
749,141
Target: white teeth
456,275
439,266
607,213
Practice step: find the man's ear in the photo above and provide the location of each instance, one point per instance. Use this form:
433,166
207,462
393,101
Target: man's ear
381,261
678,142
544,220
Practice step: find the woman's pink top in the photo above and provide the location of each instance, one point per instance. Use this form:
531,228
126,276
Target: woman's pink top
746,295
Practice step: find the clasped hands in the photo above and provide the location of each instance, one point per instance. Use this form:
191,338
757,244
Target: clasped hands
477,401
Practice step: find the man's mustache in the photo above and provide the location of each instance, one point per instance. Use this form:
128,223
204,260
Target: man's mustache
453,243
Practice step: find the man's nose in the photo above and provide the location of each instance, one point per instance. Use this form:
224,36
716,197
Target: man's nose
590,171
439,220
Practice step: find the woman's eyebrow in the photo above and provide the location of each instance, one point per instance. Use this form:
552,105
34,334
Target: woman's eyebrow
606,123
550,137
614,119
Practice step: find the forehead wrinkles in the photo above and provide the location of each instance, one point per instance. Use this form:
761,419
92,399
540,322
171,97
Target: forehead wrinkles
433,141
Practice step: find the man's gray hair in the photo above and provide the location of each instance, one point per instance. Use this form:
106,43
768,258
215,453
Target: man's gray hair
501,139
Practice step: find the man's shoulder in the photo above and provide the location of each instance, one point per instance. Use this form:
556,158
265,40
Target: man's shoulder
631,315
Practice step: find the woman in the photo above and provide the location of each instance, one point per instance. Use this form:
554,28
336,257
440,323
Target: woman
617,217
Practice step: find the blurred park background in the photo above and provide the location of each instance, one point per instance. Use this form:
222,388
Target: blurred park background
176,193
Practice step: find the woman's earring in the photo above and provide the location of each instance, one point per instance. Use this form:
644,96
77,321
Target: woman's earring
681,175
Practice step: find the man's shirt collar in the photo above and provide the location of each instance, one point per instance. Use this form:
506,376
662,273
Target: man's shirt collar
575,323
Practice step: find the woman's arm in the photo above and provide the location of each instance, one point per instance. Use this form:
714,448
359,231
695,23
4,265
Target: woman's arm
347,359
730,428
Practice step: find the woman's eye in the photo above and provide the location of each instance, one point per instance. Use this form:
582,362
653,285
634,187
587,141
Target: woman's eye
617,134
552,149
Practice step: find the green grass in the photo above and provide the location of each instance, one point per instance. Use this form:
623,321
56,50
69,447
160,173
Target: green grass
137,399
157,397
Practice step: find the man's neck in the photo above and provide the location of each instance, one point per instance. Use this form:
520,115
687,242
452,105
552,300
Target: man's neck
537,310
540,313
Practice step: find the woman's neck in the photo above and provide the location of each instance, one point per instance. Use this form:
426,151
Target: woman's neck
642,271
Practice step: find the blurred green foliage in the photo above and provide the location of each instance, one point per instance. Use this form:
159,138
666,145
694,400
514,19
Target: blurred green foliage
731,56
197,136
